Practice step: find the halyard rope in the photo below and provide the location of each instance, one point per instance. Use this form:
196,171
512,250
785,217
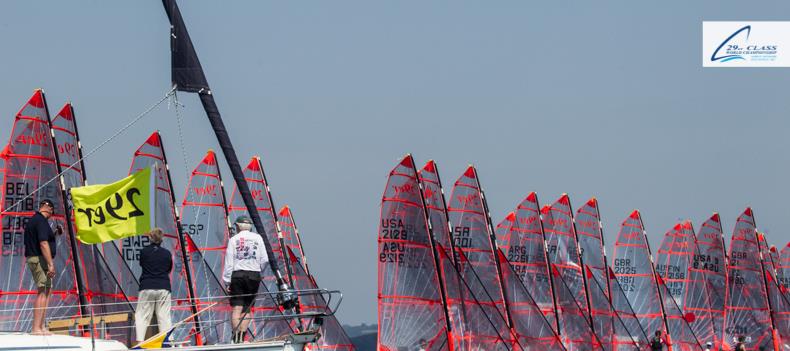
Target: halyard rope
184,155
115,135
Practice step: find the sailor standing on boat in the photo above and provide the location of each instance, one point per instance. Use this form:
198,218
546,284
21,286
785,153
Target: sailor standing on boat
156,263
40,250
245,258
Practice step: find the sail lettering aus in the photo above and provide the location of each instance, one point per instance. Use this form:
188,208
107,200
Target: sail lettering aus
410,309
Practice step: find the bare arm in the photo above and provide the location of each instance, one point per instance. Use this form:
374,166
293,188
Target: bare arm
47,254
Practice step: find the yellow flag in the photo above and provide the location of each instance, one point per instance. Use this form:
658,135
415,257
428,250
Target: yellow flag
106,212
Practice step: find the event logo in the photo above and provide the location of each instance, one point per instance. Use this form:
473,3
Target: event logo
745,44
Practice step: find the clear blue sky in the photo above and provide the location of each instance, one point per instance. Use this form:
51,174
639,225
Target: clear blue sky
604,98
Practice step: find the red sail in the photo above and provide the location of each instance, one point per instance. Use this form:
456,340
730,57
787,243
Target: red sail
273,324
746,304
532,328
102,292
410,309
520,236
711,261
471,326
563,255
633,267
291,235
628,334
434,201
777,293
673,267
151,153
590,234
333,337
472,237
30,164
698,293
784,266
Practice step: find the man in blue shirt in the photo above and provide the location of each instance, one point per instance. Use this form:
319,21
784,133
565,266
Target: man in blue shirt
156,263
40,250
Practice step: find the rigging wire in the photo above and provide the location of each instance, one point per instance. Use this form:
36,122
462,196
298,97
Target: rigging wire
115,135
179,119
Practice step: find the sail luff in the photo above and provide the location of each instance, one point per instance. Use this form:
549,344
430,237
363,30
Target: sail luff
762,245
71,232
655,277
584,279
410,309
432,242
494,248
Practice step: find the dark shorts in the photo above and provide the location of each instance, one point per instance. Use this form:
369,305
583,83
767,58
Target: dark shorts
243,288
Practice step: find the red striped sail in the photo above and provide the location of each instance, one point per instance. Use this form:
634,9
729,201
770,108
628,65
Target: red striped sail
470,324
30,164
520,236
410,307
673,268
152,153
711,261
784,266
291,235
633,268
102,292
333,337
697,295
746,303
590,234
777,294
272,324
563,254
204,221
628,334
471,236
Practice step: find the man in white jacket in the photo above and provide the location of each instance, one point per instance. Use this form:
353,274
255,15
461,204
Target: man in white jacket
245,258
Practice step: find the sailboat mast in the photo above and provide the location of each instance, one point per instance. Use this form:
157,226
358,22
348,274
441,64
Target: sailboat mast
584,273
182,239
550,273
432,241
187,75
774,333
494,249
69,225
272,208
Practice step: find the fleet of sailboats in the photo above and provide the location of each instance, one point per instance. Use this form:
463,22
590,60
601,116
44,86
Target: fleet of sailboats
541,279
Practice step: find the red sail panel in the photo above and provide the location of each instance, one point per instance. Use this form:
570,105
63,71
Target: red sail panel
102,292
563,255
697,295
520,236
533,330
784,266
473,327
633,268
333,337
434,201
471,237
291,234
590,234
672,270
272,324
151,153
627,333
746,304
30,164
410,309
780,305
711,262
682,337
204,223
